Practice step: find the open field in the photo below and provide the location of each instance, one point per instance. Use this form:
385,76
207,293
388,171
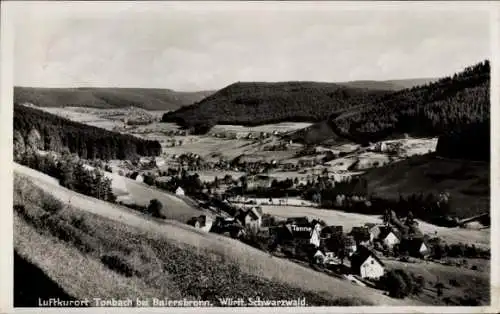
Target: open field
89,118
131,228
267,128
480,238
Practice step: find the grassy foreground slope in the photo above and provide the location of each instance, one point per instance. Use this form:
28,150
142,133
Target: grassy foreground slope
161,258
146,98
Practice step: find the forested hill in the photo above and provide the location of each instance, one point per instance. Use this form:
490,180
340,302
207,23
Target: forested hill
54,133
254,103
429,110
146,98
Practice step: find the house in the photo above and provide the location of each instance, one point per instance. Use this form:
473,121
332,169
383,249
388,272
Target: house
389,237
331,231
417,247
380,147
202,222
250,218
159,161
350,245
179,191
137,177
375,232
299,231
315,235
365,263
229,226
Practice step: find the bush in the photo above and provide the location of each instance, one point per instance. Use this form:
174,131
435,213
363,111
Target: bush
155,207
400,283
117,264
50,204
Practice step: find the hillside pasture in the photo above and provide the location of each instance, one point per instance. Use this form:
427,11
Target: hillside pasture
458,282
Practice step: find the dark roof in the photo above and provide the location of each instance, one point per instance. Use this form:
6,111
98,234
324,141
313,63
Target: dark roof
360,233
386,230
360,256
299,221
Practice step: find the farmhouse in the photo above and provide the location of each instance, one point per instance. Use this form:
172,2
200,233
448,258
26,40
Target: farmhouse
389,237
331,231
375,232
417,247
137,177
202,222
365,263
299,231
250,218
350,245
179,191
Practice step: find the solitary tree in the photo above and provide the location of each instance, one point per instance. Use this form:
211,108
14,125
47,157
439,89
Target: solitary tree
155,207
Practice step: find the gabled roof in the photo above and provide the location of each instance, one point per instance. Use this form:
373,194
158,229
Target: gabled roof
385,231
361,255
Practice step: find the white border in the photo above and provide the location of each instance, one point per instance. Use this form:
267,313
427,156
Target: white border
11,10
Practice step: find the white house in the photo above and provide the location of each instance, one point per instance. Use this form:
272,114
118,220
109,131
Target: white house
160,161
179,191
388,236
253,219
139,178
390,239
366,264
315,235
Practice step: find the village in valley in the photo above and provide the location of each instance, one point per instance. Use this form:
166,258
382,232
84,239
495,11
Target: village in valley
253,197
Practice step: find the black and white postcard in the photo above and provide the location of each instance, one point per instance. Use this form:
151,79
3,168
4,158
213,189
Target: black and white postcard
249,156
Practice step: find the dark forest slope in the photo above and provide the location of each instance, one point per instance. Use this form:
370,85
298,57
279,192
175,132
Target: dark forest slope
432,109
470,142
254,103
146,98
56,134
429,110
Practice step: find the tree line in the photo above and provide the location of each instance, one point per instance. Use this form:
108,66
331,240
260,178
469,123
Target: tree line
59,134
70,172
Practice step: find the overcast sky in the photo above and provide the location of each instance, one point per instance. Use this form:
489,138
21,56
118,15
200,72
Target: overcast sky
195,46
